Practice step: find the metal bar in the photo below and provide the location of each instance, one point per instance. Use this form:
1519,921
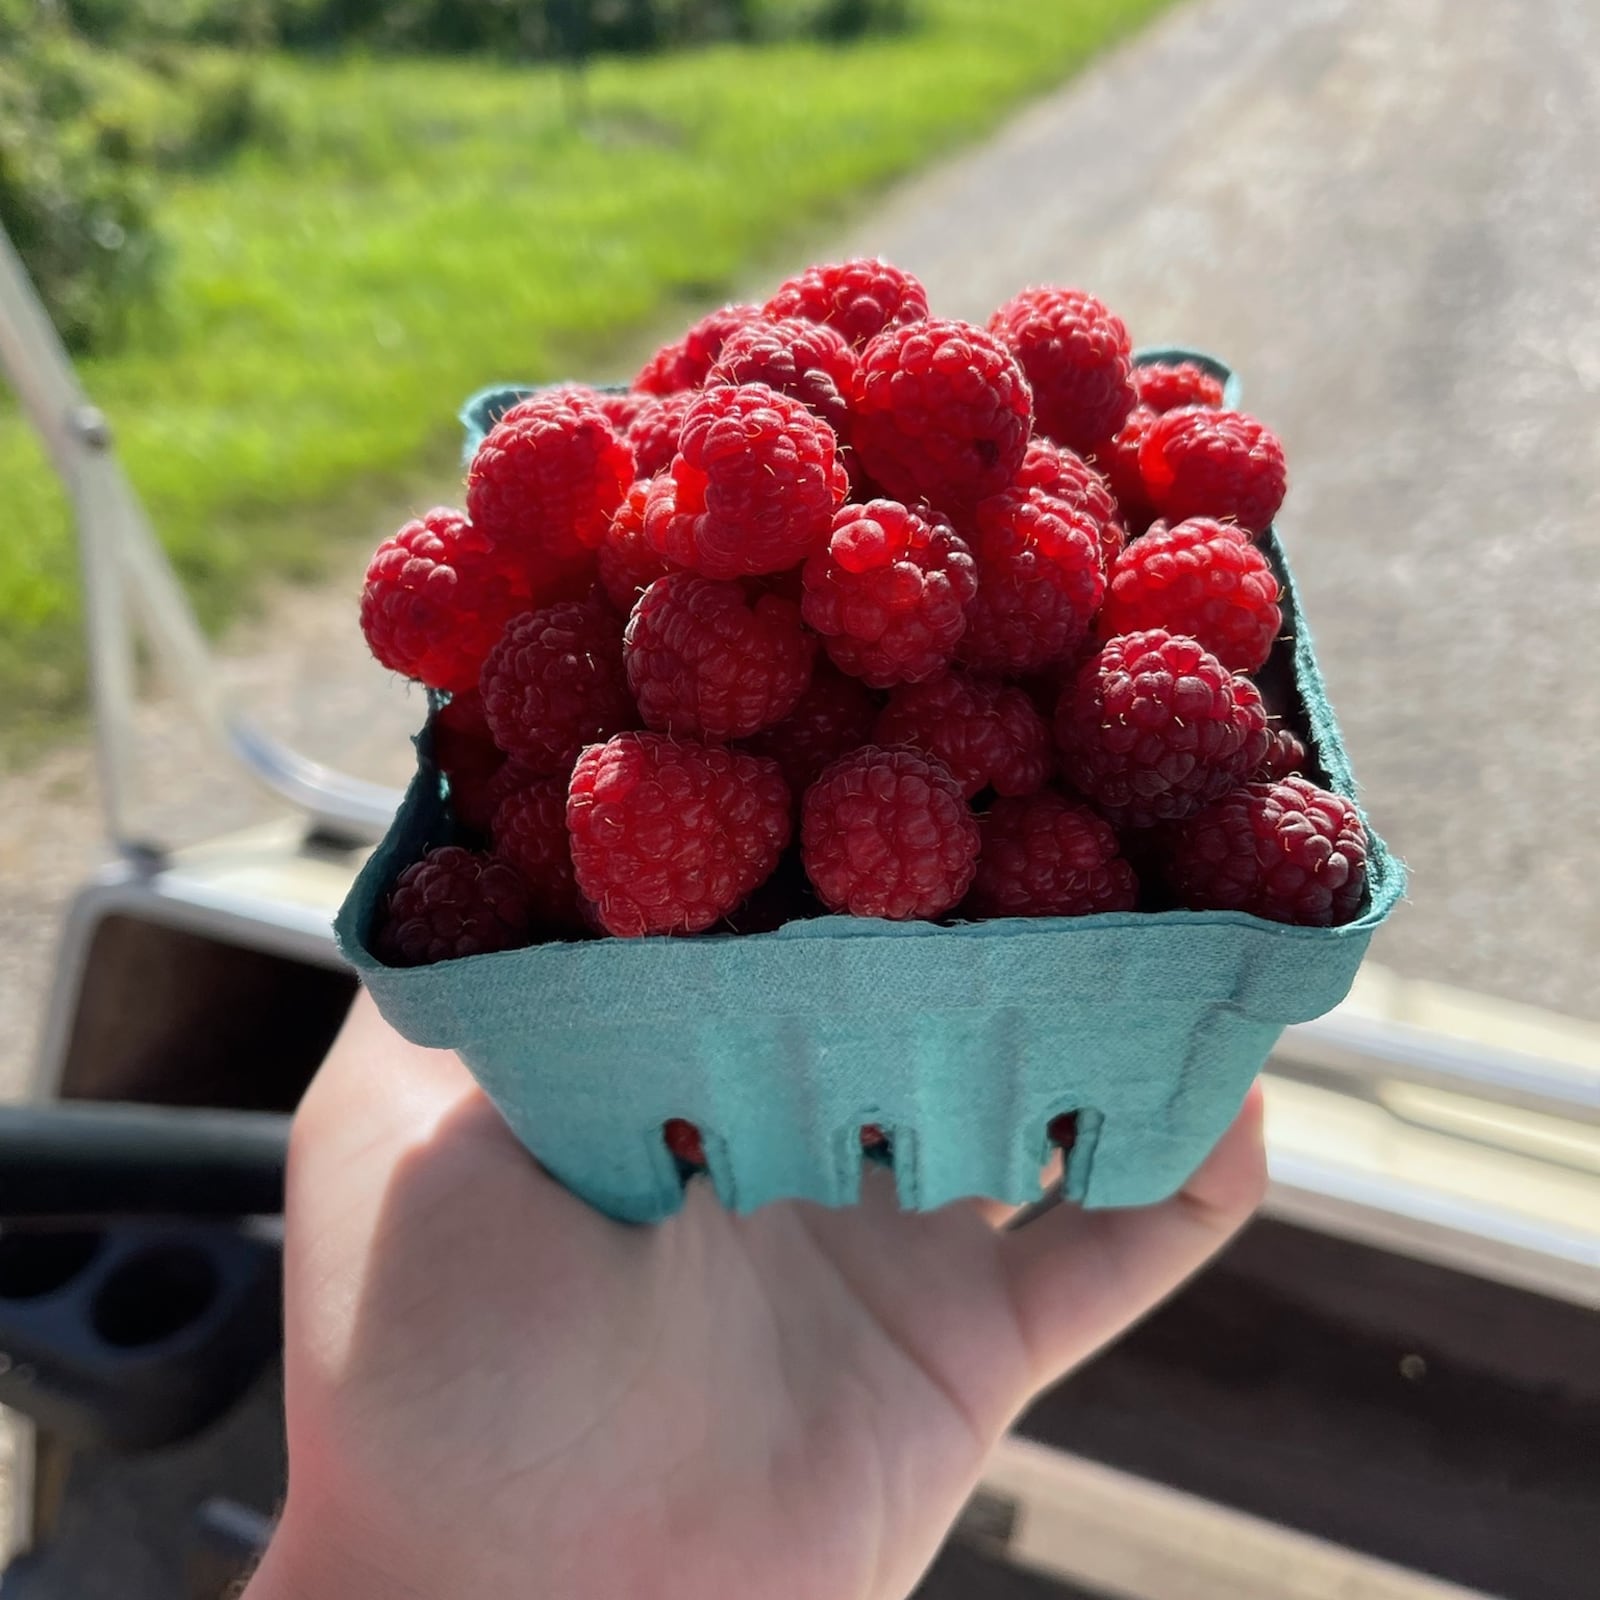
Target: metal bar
125,566
1347,1044
1117,1534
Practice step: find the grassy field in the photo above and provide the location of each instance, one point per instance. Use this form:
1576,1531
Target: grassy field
416,228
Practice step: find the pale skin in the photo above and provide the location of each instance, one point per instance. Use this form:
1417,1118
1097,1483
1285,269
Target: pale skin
493,1391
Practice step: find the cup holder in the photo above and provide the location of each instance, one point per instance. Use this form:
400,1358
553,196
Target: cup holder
153,1295
35,1263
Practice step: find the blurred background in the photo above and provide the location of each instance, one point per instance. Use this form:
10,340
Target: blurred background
284,238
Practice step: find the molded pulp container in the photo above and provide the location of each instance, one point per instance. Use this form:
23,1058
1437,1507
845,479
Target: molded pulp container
961,1041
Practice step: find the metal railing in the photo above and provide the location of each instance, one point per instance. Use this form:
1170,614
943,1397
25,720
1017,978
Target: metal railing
129,587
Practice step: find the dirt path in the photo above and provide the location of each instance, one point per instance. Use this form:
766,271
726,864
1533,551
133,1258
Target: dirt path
1384,214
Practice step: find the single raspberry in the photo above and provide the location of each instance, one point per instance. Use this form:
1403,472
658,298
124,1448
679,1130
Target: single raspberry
1166,385
669,835
1200,578
684,1141
1040,582
1064,475
833,717
1286,851
530,832
1077,357
545,482
887,833
940,411
684,363
889,592
807,361
1046,856
1117,458
752,488
468,756
860,298
436,598
988,735
705,659
618,406
554,683
1285,754
451,903
627,563
655,432
1154,727
1223,464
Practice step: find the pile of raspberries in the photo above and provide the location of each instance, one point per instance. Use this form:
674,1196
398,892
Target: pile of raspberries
847,608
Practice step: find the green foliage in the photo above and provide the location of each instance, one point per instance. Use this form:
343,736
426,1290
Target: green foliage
415,228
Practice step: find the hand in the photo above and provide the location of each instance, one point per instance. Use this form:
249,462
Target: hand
492,1391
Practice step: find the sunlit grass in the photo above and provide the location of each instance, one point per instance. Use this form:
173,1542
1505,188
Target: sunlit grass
417,228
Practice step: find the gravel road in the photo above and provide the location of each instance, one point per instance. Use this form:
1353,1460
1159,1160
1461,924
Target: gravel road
1384,213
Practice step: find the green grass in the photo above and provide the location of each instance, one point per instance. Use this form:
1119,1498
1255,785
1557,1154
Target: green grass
416,228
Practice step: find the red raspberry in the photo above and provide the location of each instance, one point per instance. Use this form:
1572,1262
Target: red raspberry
804,360
1046,856
1286,851
547,479
1166,385
684,1141
1200,578
890,591
752,488
1063,475
1118,459
451,903
705,659
1040,582
618,406
655,432
860,298
627,563
940,412
1223,464
436,599
684,363
530,832
1285,754
1154,727
1076,356
833,717
887,833
988,735
555,683
468,756
669,835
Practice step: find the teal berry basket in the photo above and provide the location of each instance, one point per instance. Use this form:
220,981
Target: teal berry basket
962,1041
